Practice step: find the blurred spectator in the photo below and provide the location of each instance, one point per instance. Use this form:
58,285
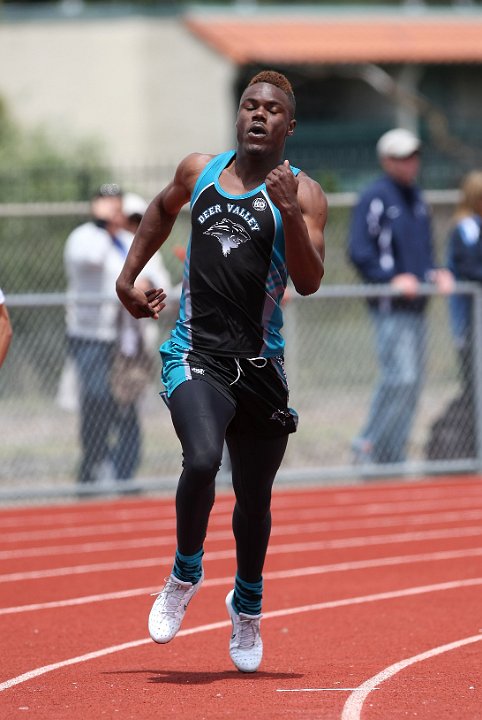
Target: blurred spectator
155,272
133,207
391,242
453,434
137,343
6,331
98,330
465,261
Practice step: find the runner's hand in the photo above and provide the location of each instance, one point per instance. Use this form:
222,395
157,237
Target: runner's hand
143,304
282,186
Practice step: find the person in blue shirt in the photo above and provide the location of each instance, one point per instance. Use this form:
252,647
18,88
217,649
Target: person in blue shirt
390,242
255,220
464,259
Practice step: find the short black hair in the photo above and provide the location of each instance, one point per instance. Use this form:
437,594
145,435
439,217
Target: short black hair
272,77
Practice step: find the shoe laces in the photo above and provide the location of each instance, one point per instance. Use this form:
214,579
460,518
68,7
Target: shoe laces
249,631
171,596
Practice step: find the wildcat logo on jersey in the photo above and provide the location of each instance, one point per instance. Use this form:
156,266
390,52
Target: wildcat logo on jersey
229,234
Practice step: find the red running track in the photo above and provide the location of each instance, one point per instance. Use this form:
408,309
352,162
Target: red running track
373,609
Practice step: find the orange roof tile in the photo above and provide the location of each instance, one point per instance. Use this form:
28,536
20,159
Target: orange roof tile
289,40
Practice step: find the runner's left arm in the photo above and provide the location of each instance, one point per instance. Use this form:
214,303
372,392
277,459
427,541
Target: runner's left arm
304,211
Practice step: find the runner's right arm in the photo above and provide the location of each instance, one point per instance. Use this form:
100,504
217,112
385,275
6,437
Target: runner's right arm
154,229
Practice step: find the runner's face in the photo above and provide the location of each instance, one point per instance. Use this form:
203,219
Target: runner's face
264,118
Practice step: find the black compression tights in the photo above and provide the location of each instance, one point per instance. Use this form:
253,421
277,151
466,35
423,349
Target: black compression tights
201,416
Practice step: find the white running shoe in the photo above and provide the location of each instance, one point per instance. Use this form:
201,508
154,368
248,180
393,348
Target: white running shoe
169,607
246,645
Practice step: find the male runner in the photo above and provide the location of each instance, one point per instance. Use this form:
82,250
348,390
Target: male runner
255,220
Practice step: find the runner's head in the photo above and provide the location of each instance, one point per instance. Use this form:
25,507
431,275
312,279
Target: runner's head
278,80
266,114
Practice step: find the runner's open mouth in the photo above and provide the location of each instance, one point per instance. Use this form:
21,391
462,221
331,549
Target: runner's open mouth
258,130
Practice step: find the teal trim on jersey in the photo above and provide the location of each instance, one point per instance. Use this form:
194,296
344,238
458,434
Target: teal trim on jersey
273,341
184,339
211,173
272,316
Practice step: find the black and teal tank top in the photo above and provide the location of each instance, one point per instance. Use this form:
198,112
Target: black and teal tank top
235,271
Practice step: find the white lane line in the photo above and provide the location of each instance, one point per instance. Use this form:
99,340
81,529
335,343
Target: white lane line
90,568
225,519
405,499
353,706
102,546
345,602
403,537
391,492
167,560
82,531
409,506
42,518
84,600
25,677
297,690
273,575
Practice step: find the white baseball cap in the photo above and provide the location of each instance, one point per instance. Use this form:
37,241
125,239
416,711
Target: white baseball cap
133,204
398,143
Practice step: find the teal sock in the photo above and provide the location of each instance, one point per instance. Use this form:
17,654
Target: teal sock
247,596
188,568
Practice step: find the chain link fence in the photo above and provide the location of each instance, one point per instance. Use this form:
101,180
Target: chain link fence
330,363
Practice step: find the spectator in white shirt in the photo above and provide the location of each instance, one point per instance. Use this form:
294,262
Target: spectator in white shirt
94,254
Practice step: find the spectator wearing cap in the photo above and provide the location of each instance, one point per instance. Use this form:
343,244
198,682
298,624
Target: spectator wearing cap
134,206
390,242
94,255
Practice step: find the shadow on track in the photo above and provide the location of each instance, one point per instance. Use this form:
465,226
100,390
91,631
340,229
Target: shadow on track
179,677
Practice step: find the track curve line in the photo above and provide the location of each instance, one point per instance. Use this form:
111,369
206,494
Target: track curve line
25,677
353,706
330,604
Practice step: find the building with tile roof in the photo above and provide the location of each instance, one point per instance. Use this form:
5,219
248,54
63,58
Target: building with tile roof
359,71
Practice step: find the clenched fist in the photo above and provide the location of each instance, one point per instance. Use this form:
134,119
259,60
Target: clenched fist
282,186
